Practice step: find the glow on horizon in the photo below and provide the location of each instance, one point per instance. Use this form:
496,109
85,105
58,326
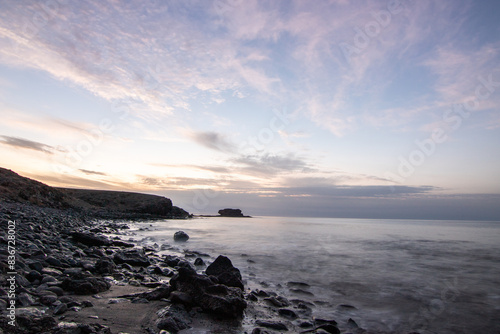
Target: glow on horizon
298,102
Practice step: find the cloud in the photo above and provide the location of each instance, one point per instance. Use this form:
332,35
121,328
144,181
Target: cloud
27,144
270,164
213,140
91,172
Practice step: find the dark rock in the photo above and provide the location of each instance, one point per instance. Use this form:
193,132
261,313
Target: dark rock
87,286
302,292
171,261
140,301
212,298
53,261
26,299
104,266
332,329
90,239
55,289
60,309
173,318
277,301
298,284
306,324
287,313
119,243
226,273
231,213
134,257
276,325
259,331
181,236
48,298
28,324
346,306
352,324
34,275
199,262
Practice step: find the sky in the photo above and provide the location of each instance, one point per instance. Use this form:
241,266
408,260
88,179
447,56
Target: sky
368,109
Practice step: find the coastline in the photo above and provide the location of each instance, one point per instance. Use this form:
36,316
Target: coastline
52,259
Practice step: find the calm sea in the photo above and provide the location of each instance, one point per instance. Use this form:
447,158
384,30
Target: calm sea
398,275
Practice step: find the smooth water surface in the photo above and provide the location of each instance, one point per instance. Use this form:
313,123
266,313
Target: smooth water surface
400,275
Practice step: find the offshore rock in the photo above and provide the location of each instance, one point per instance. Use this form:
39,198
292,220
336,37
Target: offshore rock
231,213
181,236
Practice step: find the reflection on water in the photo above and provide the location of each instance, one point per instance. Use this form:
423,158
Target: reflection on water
400,275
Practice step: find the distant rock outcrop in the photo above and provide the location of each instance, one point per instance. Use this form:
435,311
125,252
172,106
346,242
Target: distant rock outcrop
231,213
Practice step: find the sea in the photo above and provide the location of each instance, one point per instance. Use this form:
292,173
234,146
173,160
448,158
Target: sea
389,276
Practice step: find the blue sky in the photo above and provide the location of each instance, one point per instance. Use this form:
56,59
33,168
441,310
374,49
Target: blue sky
383,109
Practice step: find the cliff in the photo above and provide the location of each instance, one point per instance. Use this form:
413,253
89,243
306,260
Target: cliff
103,203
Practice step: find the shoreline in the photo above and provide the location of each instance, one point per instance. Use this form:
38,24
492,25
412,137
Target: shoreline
53,256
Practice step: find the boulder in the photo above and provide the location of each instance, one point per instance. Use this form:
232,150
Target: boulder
105,266
133,257
276,325
90,239
181,236
85,286
226,273
200,290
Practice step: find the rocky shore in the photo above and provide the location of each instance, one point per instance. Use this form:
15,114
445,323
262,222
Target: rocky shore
72,277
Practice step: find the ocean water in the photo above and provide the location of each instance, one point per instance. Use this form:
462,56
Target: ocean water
388,275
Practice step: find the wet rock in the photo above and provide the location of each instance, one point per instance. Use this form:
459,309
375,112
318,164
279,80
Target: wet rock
48,298
60,309
172,318
134,257
104,266
302,292
30,324
119,243
332,329
352,324
287,313
277,301
87,286
199,262
181,236
34,275
55,289
212,298
298,284
90,239
226,273
26,299
53,261
171,261
276,325
259,331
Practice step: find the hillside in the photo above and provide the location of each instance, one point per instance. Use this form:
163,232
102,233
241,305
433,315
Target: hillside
104,203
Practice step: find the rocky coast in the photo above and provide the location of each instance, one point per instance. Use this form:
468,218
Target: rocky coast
66,270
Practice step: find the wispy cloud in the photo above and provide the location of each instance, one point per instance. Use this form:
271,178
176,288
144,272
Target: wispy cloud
213,140
92,172
26,144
